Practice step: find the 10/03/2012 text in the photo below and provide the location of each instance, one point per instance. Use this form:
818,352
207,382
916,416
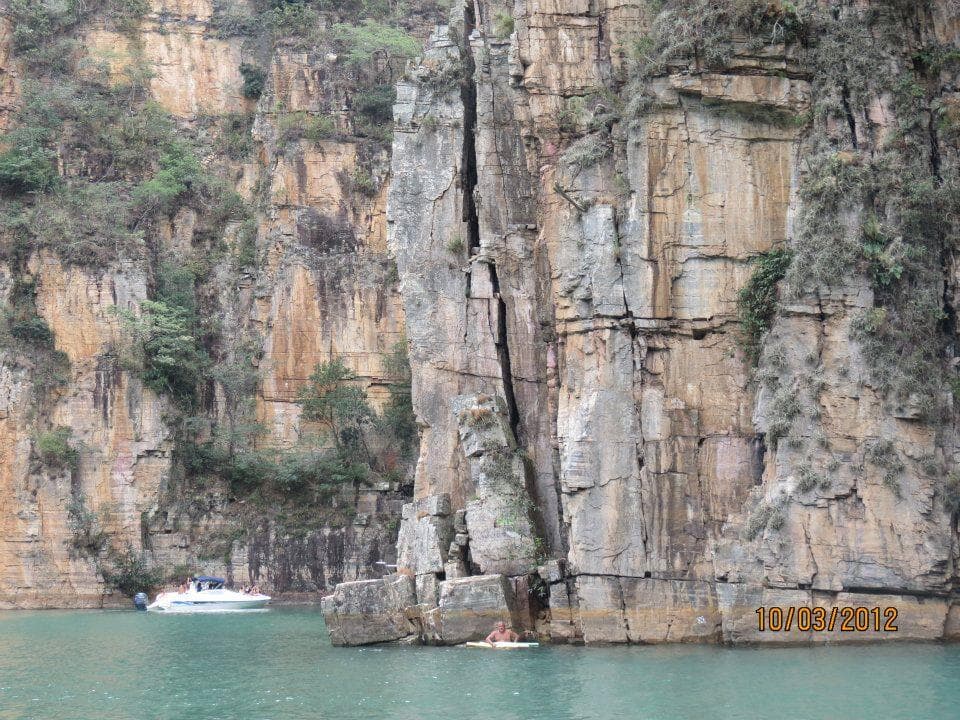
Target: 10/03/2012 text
820,619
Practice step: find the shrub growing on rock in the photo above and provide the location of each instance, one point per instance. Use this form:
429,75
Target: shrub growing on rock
254,80
168,353
56,450
503,24
757,300
766,515
84,525
373,39
950,492
703,30
128,572
179,172
27,168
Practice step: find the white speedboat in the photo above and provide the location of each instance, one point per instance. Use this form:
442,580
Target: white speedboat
206,594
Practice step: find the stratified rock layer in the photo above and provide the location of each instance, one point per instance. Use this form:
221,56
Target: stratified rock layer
323,288
580,260
370,611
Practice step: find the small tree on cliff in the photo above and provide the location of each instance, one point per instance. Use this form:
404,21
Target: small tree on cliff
340,407
398,420
237,379
172,359
373,39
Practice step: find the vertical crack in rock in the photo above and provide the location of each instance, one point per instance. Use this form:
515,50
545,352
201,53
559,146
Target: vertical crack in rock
845,99
923,71
468,96
503,354
623,609
470,179
627,314
637,381
760,457
813,557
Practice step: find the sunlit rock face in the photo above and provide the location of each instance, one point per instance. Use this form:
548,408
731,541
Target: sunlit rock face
323,287
570,241
597,299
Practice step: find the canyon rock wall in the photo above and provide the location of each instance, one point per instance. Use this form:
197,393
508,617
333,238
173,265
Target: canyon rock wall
573,236
318,286
677,282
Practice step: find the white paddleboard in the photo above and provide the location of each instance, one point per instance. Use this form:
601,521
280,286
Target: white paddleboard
503,645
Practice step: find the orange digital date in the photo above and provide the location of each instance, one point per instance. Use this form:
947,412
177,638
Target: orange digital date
819,619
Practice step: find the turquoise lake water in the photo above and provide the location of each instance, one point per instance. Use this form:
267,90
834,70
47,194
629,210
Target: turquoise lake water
279,665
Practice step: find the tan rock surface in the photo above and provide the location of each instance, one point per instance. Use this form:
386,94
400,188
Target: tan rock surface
116,423
326,288
594,304
615,287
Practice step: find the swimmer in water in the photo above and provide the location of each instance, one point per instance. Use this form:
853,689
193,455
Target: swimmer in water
502,634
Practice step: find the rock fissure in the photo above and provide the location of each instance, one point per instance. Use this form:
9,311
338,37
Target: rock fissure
588,425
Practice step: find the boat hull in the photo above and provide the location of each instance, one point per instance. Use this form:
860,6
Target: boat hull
211,601
201,606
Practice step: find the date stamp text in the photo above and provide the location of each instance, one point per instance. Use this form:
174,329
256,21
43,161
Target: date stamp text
820,619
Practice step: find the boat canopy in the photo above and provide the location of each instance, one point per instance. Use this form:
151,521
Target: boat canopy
208,579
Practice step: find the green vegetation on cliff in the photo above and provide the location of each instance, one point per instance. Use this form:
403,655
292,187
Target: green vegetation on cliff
129,572
879,203
904,202
26,340
348,445
757,300
872,207
95,173
56,449
703,31
41,27
372,39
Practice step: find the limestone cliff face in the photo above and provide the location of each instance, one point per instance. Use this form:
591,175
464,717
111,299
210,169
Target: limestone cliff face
576,195
572,237
118,422
320,286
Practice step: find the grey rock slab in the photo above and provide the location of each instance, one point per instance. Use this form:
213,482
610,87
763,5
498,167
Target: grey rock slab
370,611
470,607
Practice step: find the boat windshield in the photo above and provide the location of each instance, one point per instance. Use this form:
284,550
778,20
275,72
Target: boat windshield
205,582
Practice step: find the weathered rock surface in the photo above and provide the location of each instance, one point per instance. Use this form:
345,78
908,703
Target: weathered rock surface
646,610
500,533
470,607
582,265
426,532
324,287
117,423
370,611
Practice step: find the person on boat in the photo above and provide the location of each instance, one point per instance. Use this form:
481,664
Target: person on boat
502,634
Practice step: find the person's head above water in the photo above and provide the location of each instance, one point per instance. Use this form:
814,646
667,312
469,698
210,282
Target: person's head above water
501,626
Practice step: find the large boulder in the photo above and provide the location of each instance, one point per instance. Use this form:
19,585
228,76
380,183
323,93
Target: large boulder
471,606
502,537
371,611
426,530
